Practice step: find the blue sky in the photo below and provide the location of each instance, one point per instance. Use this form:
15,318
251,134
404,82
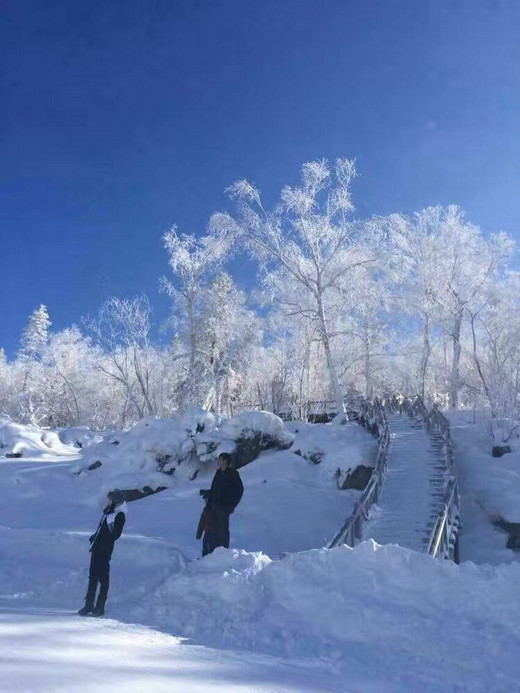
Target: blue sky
118,119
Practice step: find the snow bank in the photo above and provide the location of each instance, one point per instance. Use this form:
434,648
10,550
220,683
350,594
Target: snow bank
30,441
79,436
382,615
494,482
335,449
245,436
375,610
147,453
490,489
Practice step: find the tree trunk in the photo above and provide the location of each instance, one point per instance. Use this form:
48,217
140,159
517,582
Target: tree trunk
369,389
219,383
455,366
304,368
328,355
142,380
479,368
425,355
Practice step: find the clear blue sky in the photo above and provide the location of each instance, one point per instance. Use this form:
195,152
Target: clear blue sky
119,118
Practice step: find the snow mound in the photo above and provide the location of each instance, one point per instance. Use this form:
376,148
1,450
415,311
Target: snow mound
335,449
152,445
245,436
154,450
252,422
79,436
494,482
378,610
21,440
489,487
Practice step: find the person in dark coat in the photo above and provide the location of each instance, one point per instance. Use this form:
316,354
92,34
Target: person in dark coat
221,500
101,548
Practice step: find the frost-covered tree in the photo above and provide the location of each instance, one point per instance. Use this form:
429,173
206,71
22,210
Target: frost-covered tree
122,330
396,304
77,392
213,326
495,347
307,246
30,387
451,264
414,259
35,336
228,331
193,261
467,263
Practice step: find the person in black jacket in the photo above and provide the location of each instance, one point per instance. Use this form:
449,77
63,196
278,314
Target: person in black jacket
221,500
101,547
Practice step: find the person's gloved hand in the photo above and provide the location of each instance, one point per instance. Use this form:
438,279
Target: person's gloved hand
205,493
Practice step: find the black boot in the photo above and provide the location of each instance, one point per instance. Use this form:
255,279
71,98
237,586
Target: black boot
99,609
86,610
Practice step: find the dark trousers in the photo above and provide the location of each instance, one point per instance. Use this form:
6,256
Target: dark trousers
218,533
99,572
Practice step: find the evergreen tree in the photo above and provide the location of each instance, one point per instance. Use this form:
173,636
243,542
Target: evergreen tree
36,335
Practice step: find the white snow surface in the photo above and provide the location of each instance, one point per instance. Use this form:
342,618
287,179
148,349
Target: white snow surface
489,487
374,619
31,441
129,459
79,436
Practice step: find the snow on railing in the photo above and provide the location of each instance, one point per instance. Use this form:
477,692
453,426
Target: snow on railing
444,538
373,418
443,542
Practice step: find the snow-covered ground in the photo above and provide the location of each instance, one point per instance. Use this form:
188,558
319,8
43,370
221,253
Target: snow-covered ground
375,619
49,650
489,487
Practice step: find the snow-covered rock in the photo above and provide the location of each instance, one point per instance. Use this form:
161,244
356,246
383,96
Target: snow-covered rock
336,450
21,441
145,457
246,435
79,436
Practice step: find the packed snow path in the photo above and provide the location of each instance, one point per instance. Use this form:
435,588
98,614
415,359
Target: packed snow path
413,488
48,651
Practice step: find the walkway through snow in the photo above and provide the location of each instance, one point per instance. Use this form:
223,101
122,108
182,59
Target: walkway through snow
52,651
414,478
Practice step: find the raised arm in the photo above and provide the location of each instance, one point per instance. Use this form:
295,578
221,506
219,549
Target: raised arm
119,523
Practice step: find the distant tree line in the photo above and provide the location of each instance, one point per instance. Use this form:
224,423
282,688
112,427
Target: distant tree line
413,304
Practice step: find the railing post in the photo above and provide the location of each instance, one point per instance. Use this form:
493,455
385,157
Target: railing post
456,549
